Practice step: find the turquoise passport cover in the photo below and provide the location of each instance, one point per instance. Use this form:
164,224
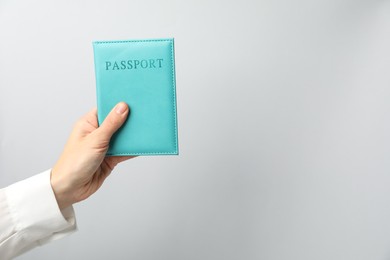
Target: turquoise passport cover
142,74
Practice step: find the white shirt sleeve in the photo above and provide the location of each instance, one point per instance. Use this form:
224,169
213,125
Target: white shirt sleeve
30,216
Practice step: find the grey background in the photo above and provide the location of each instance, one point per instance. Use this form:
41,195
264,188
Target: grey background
283,119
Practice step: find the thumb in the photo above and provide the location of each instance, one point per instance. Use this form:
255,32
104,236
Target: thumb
113,121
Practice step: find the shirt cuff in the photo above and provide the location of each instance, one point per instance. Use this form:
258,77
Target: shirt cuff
35,211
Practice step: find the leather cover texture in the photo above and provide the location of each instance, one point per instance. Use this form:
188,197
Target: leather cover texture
142,74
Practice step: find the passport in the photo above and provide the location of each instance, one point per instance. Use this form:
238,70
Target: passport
142,74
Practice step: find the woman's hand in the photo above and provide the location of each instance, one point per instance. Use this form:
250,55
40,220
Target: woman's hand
83,165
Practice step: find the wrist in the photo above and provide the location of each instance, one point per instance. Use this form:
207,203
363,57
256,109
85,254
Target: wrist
61,190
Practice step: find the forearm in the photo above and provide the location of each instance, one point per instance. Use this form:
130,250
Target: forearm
30,216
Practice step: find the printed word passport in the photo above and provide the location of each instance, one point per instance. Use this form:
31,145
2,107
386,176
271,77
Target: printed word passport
142,74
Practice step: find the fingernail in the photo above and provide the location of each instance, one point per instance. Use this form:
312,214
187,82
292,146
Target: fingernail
120,108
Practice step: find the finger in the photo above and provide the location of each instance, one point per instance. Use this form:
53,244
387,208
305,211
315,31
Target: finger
91,117
87,123
113,121
112,161
119,159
